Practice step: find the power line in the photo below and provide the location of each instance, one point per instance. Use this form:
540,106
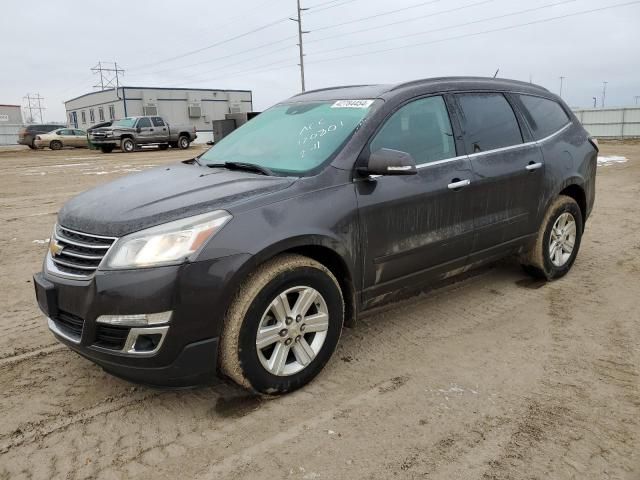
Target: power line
381,14
377,27
278,65
221,42
483,32
315,9
448,27
212,60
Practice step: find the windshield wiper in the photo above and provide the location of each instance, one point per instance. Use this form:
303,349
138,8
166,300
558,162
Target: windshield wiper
243,166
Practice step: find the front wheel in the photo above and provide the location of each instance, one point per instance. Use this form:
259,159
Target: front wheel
282,326
128,145
558,241
106,148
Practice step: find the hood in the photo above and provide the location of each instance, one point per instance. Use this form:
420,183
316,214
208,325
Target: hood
163,194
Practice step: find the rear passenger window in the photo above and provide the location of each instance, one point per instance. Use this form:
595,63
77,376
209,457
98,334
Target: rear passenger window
421,128
157,122
543,115
488,122
144,123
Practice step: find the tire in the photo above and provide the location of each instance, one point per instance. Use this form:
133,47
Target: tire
183,142
55,145
538,261
32,144
106,148
127,145
240,358
163,147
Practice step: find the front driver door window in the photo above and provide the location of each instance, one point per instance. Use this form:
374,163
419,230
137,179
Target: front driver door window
415,226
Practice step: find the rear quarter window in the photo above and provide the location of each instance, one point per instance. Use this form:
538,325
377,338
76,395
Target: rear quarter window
544,116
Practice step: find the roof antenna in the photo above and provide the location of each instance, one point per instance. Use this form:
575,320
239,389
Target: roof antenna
496,74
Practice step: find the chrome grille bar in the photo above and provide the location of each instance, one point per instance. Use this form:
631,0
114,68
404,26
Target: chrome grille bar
77,254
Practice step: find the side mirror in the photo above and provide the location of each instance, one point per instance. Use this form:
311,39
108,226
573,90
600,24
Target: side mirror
390,162
138,130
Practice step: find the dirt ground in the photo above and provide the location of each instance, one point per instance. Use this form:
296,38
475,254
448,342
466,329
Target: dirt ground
493,377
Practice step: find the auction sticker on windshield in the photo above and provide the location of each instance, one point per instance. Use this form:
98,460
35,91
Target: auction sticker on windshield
352,104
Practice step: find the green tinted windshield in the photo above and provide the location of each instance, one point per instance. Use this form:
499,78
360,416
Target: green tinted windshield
125,122
291,138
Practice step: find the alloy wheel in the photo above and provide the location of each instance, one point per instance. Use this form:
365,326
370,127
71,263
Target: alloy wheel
562,239
292,330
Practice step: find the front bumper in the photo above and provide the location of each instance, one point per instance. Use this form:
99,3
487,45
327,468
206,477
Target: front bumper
104,141
197,294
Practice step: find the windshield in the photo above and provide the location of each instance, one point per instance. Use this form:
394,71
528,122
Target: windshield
291,138
125,122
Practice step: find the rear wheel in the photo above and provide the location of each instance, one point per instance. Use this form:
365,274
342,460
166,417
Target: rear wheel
32,144
558,241
55,145
283,325
183,142
128,145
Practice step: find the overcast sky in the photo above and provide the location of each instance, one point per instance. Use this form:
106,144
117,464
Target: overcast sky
49,47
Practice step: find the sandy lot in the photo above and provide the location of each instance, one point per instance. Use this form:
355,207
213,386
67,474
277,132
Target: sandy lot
495,376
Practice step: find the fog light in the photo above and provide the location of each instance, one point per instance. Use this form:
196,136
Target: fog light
138,320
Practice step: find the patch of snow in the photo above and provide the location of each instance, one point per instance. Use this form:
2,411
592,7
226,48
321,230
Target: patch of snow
610,160
41,242
65,165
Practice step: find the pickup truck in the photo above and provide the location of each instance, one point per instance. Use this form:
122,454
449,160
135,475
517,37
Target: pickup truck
131,132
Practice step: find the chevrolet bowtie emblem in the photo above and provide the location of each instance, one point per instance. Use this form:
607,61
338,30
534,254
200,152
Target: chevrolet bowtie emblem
55,248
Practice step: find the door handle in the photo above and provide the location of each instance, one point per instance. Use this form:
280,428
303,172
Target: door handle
456,183
534,166
151,129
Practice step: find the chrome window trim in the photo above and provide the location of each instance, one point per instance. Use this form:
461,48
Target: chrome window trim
542,140
495,150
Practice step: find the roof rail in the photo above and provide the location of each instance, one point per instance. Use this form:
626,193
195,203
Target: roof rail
462,79
330,88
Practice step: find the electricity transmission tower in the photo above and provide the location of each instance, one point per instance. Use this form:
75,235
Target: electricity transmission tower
109,77
604,92
33,104
301,32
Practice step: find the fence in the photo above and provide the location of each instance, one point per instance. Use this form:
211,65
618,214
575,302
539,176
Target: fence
611,122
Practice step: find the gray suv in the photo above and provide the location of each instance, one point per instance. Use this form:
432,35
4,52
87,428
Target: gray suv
247,261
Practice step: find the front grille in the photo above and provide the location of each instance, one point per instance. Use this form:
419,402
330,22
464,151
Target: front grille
78,254
69,324
112,337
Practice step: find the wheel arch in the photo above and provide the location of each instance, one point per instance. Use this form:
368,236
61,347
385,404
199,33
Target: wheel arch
576,192
324,250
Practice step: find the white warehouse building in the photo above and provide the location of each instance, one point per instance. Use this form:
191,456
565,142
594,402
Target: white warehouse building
195,106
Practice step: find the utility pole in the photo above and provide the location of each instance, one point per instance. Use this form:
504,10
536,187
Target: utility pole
34,103
636,98
109,77
300,47
595,100
604,92
561,82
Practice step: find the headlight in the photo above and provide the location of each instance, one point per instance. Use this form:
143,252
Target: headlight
166,244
